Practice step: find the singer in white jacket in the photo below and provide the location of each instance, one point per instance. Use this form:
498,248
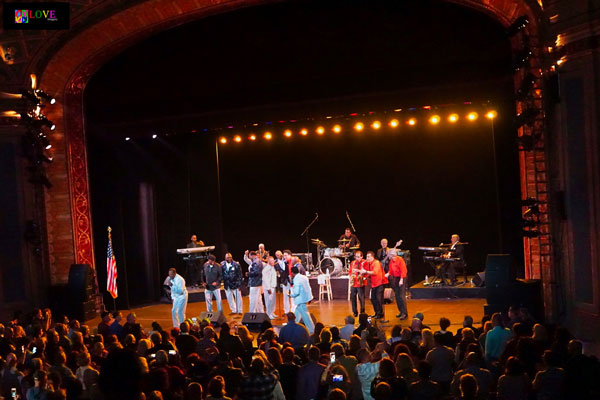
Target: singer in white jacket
269,285
179,294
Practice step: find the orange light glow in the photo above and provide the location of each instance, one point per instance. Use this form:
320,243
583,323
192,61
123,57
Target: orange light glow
472,116
394,123
453,118
223,140
491,114
359,126
376,125
287,133
268,135
337,128
320,130
252,137
304,132
434,120
237,138
412,122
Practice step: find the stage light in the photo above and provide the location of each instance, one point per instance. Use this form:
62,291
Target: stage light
394,123
472,116
252,137
518,25
237,138
376,125
359,126
154,136
223,140
45,142
127,139
45,96
268,135
320,130
337,128
304,132
412,122
28,95
491,114
287,133
452,118
434,120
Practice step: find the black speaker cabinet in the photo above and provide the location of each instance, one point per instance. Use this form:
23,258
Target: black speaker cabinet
253,321
215,318
80,284
498,271
479,279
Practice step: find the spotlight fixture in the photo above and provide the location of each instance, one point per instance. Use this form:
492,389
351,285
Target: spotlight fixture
127,139
359,126
526,117
45,96
434,120
252,137
412,122
268,135
287,133
394,123
304,132
491,114
45,142
472,116
336,128
526,86
320,130
154,136
452,118
223,140
30,96
518,25
237,138
376,125
522,58
47,122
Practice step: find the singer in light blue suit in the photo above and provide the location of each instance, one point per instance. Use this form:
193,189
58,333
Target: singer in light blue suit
302,295
179,294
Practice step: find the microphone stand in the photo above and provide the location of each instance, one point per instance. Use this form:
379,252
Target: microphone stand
305,233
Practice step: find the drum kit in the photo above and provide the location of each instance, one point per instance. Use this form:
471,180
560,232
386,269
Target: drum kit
334,260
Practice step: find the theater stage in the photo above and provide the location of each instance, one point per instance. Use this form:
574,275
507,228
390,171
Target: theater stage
330,313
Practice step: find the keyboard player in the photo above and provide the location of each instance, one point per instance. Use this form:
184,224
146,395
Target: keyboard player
456,251
195,261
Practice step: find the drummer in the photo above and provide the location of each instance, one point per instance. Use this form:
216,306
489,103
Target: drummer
348,241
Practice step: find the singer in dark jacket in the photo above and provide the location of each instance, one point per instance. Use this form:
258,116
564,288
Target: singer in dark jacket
232,281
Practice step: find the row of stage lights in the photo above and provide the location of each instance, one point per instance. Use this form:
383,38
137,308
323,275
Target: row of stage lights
360,126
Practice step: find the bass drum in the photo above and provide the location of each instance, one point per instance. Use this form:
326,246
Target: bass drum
334,265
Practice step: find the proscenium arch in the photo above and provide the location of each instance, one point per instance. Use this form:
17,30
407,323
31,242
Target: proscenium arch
70,68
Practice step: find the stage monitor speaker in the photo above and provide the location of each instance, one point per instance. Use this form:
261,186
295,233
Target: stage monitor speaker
216,318
498,273
479,279
254,321
80,285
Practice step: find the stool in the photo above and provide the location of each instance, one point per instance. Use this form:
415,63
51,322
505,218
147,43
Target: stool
324,287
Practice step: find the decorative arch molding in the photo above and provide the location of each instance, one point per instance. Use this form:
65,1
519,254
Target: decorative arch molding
69,69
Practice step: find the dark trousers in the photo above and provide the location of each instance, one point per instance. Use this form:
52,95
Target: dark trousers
399,294
195,272
377,300
360,293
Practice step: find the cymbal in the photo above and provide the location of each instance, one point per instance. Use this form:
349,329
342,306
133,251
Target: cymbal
353,248
343,240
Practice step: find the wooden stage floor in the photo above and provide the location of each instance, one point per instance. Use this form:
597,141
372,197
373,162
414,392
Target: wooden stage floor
330,313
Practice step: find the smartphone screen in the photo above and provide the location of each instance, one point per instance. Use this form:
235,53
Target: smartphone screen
332,357
338,378
369,319
172,352
13,393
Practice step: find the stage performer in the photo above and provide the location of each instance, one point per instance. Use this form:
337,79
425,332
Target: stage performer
213,275
397,277
302,295
194,263
254,280
348,240
232,281
378,282
179,294
284,281
269,286
457,250
262,253
382,253
358,281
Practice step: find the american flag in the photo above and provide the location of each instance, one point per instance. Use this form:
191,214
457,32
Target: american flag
111,269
